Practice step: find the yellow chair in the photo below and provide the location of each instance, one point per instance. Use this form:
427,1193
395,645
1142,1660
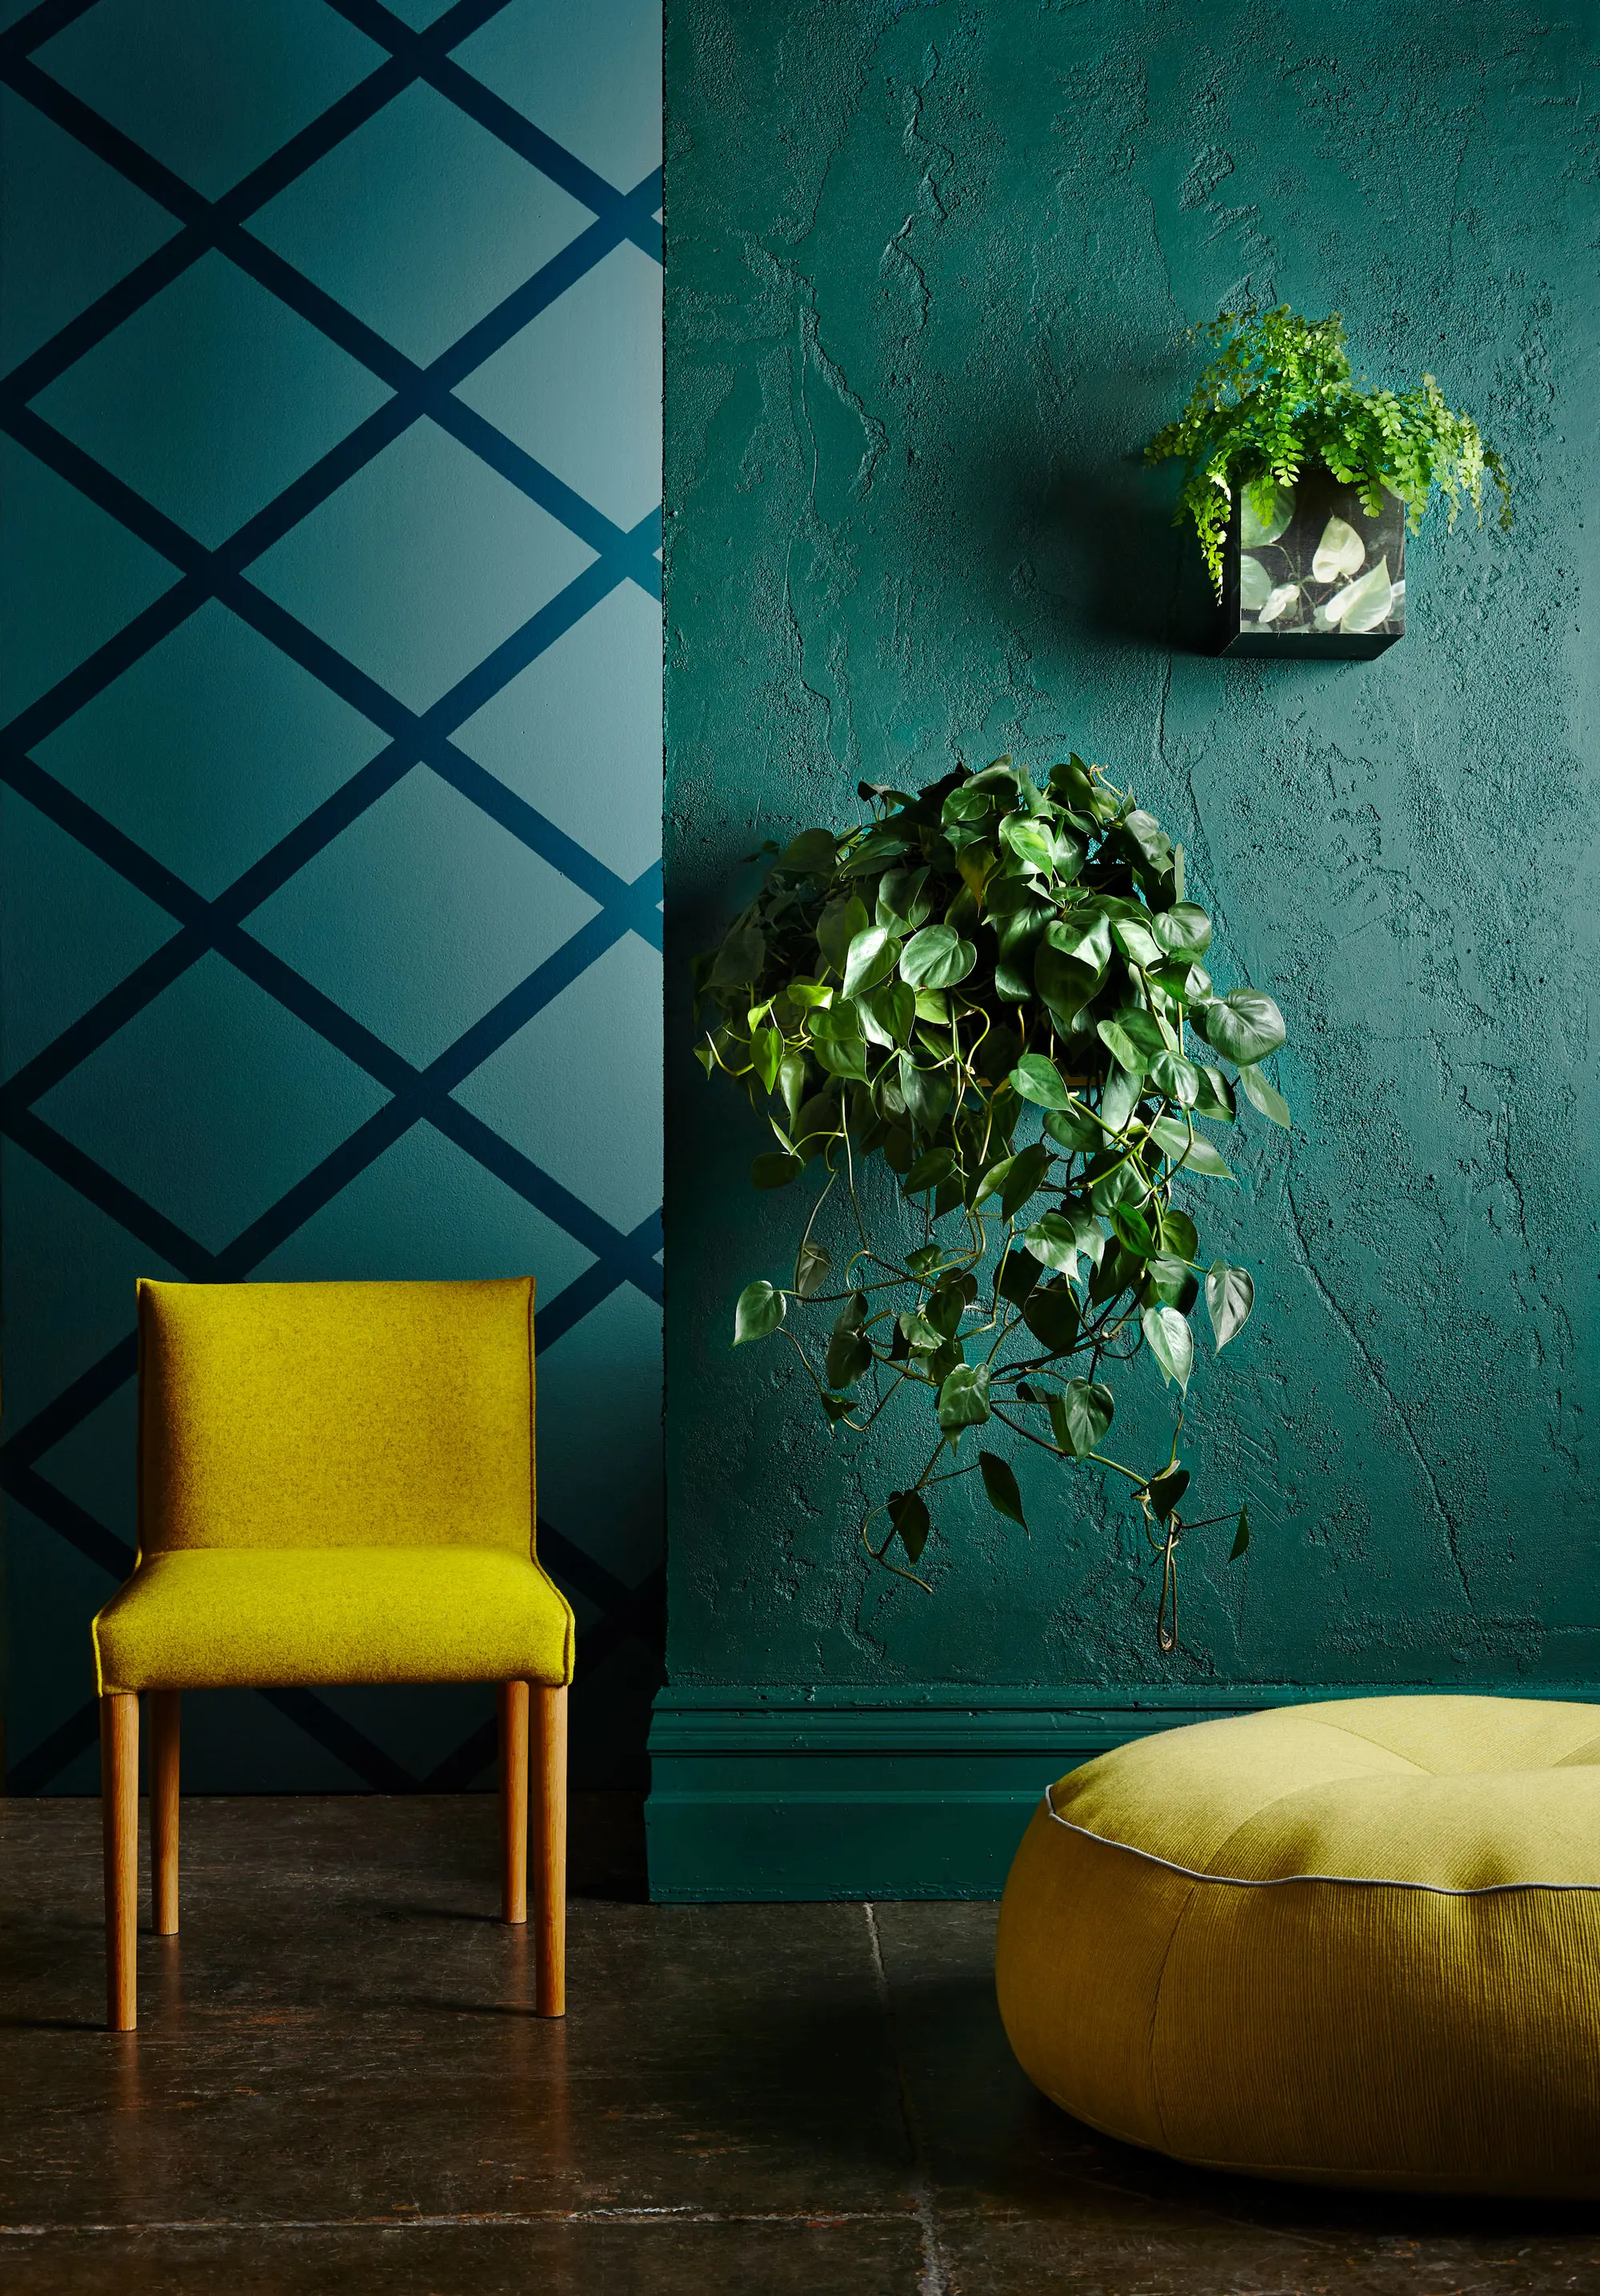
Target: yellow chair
336,1485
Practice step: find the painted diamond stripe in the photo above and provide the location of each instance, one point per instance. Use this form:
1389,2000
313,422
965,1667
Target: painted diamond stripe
73,1404
411,739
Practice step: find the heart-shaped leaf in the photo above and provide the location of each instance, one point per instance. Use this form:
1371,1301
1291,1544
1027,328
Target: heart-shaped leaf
1194,1155
964,1398
1020,1271
760,1310
927,1093
1051,1314
837,928
1365,603
849,1354
1135,938
1079,1416
929,1169
1065,984
1121,1094
1229,1297
908,1513
1215,1096
1265,511
937,957
766,1048
1120,1046
773,1170
1184,930
1340,551
1149,839
1072,1130
1038,1079
1057,1239
1255,584
1086,937
813,1265
1171,1343
1133,1231
1179,1080
1001,1487
1172,1280
740,959
1024,1178
1265,1096
1244,1026
811,853
1164,1491
872,955
901,907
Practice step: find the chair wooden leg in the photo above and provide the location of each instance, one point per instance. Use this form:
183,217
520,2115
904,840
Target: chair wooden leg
550,1852
164,1707
514,1800
119,1815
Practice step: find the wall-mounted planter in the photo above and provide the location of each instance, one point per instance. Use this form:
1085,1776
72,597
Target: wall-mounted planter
1305,571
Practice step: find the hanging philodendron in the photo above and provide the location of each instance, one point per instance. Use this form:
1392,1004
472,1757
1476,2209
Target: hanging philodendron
1300,484
990,988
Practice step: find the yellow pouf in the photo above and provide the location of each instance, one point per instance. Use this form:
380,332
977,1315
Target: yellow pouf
1356,1943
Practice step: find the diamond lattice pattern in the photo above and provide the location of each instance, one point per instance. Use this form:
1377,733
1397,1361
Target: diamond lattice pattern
330,779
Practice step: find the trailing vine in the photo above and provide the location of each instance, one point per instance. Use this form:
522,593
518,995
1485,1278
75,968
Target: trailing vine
990,986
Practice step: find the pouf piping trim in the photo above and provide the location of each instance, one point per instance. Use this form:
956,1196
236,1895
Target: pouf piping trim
1280,1881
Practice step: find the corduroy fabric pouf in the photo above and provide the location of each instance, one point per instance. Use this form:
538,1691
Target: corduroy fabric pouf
1353,1943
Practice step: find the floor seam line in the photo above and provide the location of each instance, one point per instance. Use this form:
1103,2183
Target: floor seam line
687,2213
934,2279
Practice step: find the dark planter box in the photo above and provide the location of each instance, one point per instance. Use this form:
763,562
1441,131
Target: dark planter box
1306,572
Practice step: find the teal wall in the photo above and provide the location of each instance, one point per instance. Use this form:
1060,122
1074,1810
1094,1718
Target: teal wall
329,663
930,270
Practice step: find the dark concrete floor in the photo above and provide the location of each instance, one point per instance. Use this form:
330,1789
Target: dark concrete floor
339,2086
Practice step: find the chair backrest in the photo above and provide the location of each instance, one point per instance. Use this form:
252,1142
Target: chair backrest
336,1415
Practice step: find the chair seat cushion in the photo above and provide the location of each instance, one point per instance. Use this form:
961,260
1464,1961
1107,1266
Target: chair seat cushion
205,1618
1356,1942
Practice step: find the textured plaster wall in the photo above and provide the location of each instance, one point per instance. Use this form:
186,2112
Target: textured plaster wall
928,270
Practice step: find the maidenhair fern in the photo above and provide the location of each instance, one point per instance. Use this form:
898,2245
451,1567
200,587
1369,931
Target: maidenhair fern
1278,397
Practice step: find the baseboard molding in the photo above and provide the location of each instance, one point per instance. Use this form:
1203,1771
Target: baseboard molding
820,1791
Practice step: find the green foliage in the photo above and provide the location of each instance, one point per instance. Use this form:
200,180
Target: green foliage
1278,398
986,988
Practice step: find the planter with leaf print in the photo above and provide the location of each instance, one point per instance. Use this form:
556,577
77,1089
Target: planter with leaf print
1307,570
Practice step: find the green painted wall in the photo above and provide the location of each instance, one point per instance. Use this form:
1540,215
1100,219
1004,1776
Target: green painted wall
928,275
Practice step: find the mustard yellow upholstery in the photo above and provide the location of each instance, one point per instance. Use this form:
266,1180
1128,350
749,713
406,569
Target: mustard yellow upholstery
336,1484
1353,1943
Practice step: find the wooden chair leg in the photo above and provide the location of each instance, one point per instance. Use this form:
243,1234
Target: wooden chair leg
550,1852
514,1800
164,1708
119,1815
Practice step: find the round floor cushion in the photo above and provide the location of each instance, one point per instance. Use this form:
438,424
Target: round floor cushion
1355,1943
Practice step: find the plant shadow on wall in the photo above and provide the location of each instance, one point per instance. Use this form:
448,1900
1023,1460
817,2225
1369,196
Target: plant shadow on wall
989,990
1101,540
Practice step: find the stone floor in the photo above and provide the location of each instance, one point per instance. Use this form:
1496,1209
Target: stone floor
339,2086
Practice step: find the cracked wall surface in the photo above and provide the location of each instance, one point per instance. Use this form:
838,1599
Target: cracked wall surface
929,268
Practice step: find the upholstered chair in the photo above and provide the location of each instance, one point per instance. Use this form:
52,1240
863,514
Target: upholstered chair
335,1485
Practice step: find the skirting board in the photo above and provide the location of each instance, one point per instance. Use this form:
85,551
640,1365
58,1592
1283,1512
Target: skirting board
819,1792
